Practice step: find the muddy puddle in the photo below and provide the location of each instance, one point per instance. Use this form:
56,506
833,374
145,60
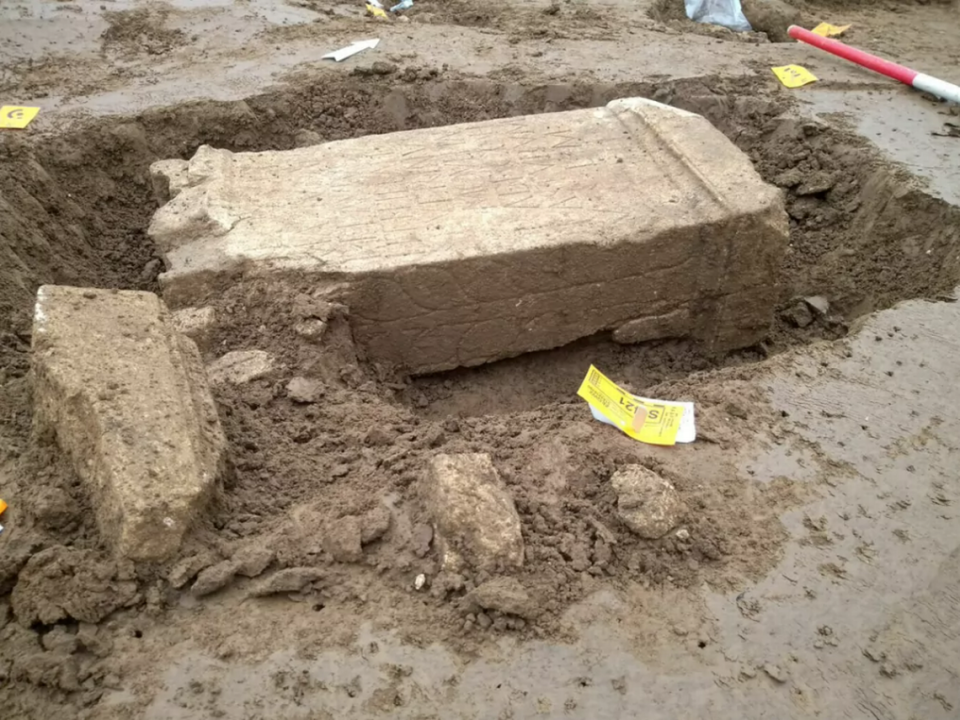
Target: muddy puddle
74,206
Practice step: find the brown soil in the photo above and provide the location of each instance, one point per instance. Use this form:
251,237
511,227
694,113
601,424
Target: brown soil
74,208
140,31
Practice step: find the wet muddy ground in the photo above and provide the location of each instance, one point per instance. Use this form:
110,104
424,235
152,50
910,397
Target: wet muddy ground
820,575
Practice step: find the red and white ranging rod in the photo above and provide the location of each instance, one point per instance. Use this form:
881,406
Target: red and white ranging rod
927,83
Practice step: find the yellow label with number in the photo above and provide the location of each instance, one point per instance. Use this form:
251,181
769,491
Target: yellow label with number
16,117
828,30
656,423
794,76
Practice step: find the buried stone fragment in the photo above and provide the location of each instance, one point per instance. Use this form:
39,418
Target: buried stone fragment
647,504
476,523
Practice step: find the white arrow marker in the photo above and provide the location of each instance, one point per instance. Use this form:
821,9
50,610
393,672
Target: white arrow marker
351,50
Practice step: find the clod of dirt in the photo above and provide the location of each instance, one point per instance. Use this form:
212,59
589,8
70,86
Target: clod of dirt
252,560
60,583
17,550
93,641
343,538
239,367
59,639
505,595
374,524
305,138
798,314
304,390
647,504
286,581
53,509
772,17
420,539
214,578
186,569
473,512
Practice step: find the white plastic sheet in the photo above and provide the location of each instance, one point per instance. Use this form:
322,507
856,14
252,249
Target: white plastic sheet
718,12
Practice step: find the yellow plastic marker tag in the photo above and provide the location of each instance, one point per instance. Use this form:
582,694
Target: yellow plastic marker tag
828,30
15,117
794,76
655,422
3,506
377,12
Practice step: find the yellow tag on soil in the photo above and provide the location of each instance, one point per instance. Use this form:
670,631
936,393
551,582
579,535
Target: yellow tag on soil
794,76
15,117
3,506
377,12
828,30
650,422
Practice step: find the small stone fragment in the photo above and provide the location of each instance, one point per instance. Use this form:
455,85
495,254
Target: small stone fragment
214,578
343,538
239,367
647,504
374,524
311,329
420,582
819,304
304,390
285,581
683,534
505,595
473,513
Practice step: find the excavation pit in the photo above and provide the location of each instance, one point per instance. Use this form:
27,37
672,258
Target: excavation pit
466,244
327,447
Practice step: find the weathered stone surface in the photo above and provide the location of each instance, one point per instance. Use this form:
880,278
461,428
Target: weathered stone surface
127,398
197,324
647,504
502,237
240,366
473,513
